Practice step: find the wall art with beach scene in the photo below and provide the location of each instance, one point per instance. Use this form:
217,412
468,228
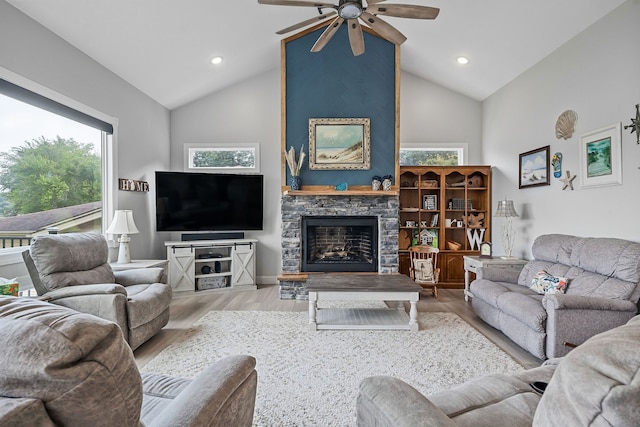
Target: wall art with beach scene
339,144
601,157
534,167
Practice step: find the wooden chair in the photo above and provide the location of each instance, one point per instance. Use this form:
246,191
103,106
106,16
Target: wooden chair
420,273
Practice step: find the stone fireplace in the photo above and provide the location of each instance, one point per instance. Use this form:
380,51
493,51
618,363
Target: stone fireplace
356,212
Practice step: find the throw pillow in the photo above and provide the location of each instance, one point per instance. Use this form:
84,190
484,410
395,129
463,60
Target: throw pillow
545,283
423,270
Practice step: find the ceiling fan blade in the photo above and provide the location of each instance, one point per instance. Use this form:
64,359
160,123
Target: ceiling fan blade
405,11
328,33
296,3
384,29
307,22
356,39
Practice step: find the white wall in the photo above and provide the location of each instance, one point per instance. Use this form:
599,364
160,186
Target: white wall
245,113
431,114
595,74
33,52
250,112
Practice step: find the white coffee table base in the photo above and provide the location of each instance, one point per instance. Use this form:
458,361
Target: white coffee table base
364,318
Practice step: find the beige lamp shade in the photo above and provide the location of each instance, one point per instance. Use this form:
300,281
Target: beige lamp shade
123,223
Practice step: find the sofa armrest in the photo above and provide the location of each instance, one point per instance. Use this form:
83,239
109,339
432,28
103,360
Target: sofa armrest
385,402
23,412
495,274
224,394
573,319
84,290
106,300
139,276
567,302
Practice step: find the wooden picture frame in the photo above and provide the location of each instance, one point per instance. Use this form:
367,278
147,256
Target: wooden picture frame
601,157
340,144
534,168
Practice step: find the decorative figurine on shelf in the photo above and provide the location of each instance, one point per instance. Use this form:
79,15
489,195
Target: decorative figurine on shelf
294,167
343,186
635,125
386,182
376,181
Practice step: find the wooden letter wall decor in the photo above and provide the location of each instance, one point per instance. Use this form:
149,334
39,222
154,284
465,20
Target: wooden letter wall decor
132,185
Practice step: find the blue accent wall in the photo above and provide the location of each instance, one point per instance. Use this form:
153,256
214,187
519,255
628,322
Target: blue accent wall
335,84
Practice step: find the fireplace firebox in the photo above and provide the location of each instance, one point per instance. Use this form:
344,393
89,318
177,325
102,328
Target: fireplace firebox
339,243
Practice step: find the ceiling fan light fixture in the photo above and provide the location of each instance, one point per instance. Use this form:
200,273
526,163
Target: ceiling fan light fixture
350,9
462,60
216,60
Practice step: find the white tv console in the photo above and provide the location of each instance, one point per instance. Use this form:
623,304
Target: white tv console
212,265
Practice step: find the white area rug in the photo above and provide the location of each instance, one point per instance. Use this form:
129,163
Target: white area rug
311,378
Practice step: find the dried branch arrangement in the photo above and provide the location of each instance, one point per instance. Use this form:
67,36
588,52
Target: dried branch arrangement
294,167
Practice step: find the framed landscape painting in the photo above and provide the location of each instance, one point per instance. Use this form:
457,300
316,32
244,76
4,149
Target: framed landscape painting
601,157
534,168
339,144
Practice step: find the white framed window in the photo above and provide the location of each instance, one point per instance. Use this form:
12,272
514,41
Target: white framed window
433,154
34,117
225,158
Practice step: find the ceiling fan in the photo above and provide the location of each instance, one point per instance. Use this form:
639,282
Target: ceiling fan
351,11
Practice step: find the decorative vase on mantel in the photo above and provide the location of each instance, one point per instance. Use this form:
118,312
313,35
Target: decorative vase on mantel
296,182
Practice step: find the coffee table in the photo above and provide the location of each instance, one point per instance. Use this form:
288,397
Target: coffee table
363,287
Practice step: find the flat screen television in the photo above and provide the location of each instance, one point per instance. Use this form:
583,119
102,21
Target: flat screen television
187,201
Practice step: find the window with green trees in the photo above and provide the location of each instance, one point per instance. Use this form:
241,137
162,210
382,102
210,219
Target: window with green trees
222,158
50,173
416,156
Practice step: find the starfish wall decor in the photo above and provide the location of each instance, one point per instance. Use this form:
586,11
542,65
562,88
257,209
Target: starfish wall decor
568,181
635,124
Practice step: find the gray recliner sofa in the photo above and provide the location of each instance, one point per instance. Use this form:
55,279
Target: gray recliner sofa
61,367
72,270
596,384
602,293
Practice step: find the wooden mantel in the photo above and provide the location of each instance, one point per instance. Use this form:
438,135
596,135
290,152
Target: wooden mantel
327,190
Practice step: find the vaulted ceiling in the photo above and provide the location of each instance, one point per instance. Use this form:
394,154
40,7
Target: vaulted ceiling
164,47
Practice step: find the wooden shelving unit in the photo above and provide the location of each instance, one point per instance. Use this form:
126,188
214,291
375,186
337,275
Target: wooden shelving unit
448,207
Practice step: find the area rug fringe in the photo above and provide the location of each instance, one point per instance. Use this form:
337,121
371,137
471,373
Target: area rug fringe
311,378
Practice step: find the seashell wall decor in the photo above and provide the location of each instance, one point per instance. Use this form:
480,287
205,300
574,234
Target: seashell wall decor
565,125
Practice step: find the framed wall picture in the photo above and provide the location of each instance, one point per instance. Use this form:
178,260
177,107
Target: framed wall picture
601,157
534,168
339,144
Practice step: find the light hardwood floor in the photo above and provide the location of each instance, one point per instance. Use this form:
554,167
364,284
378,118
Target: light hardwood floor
186,309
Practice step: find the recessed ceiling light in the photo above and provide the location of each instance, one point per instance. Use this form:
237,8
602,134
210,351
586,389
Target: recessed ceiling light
216,60
462,60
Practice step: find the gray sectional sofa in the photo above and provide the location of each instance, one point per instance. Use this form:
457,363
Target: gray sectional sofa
602,293
596,384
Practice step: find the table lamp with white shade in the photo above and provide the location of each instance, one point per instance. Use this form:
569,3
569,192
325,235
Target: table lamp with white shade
124,225
508,211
